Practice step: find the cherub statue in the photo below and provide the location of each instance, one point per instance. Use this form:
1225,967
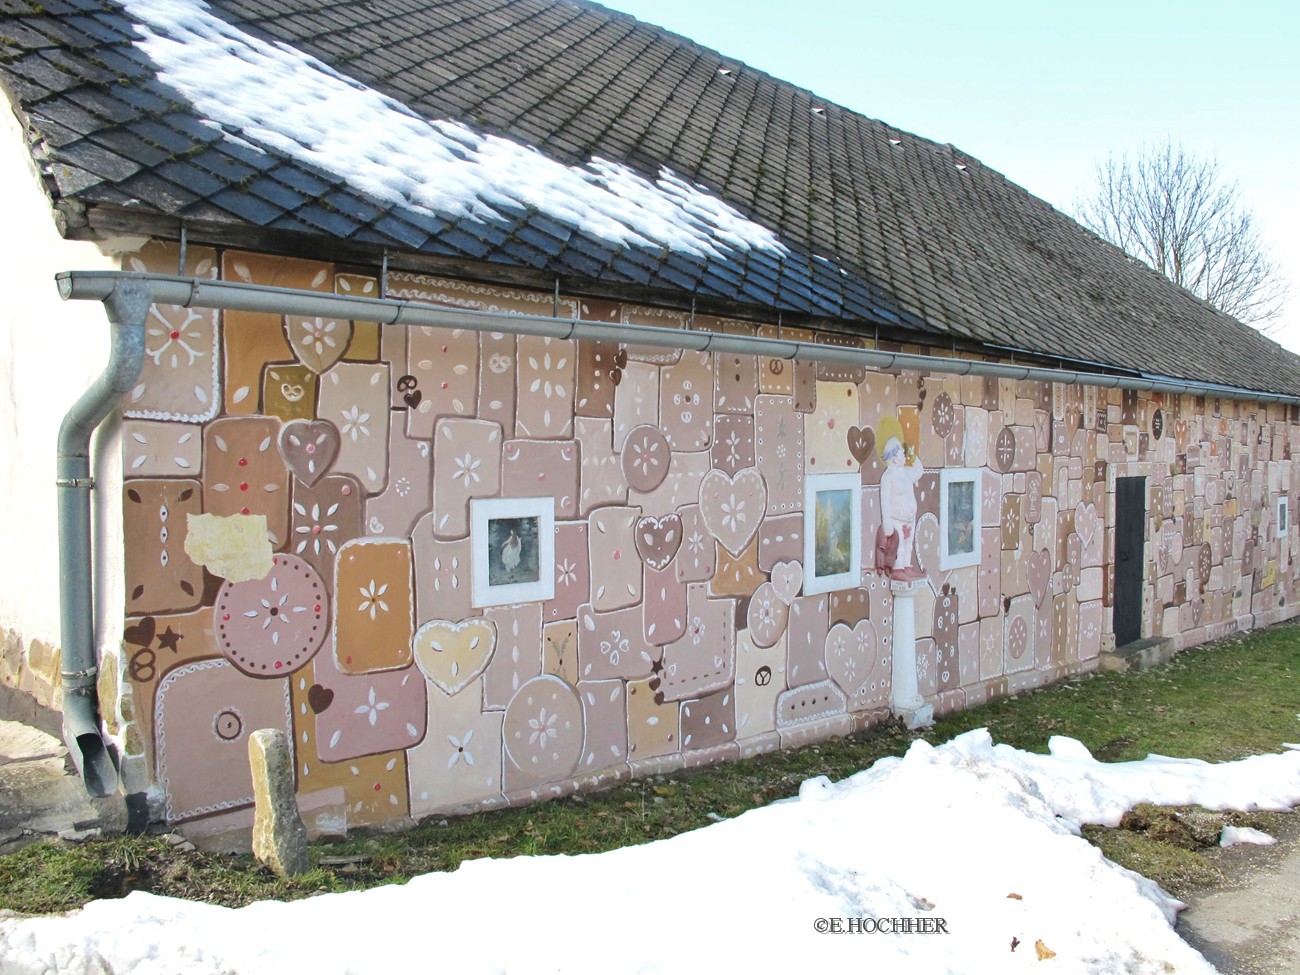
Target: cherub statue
897,532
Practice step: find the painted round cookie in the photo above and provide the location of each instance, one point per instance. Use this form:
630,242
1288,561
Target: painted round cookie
768,616
1018,637
270,627
543,730
645,458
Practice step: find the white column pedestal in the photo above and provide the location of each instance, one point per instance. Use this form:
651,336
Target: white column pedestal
905,699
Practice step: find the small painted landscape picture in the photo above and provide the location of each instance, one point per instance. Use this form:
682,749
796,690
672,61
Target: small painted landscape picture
833,550
961,518
513,553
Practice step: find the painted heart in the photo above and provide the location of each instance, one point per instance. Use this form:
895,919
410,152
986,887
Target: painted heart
862,441
320,698
787,580
620,359
309,448
1087,525
413,398
1038,567
657,539
141,634
318,342
732,507
452,655
851,657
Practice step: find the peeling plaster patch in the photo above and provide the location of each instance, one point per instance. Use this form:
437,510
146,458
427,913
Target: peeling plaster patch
234,547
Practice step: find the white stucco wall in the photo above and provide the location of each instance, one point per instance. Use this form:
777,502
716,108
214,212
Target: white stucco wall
50,350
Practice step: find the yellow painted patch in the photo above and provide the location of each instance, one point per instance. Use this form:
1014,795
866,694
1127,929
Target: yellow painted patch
234,547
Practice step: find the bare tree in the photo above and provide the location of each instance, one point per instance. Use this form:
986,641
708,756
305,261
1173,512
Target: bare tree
1177,213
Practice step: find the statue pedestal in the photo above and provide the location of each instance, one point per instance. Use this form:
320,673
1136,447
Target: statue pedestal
905,699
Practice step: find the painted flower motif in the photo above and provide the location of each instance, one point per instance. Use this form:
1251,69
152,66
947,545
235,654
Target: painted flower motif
765,609
467,470
177,339
614,647
354,423
732,443
402,486
275,611
695,544
460,749
317,335
317,531
372,600
372,709
545,384
696,630
644,456
733,512
566,573
543,729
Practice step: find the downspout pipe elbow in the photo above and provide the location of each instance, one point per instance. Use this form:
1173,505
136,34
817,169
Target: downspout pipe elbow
127,307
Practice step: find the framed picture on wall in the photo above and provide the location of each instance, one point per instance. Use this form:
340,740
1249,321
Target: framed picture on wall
832,532
1283,517
959,516
512,550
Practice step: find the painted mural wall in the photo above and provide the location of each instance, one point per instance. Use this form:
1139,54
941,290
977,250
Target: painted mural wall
463,569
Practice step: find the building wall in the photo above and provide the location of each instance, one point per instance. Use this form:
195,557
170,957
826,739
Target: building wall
465,569
50,351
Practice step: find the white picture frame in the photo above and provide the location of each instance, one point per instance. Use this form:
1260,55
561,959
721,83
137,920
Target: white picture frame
832,559
959,516
512,550
1283,520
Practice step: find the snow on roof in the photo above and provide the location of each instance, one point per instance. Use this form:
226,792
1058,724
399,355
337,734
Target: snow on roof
281,97
979,836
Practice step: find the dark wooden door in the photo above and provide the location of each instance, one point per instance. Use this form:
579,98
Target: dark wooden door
1130,556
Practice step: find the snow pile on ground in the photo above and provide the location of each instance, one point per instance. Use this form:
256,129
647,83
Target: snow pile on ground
972,845
1233,835
277,96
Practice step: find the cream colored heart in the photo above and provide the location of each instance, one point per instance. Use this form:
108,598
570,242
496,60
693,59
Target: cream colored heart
451,655
1087,525
787,580
732,507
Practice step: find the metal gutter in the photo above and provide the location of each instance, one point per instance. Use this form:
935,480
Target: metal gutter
192,292
127,305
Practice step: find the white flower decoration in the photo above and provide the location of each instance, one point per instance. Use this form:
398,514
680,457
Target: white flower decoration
372,709
372,601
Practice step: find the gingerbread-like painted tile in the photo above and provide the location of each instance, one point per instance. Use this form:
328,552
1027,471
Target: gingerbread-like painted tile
546,378
289,391
273,626
466,464
735,383
180,373
990,594
780,539
704,659
572,572
309,448
637,401
768,616
653,723
535,468
686,471
697,558
205,712
366,714
644,458
686,402
656,318
709,721
858,665
733,443
805,386
253,339
543,733
160,576
736,575
779,449
838,372
657,540
615,565
944,632
604,706
153,448
560,650
453,655
374,605
601,474
354,396
318,341
364,346
459,761
518,656
776,375
612,645
760,680
1088,526
408,494
1011,522
925,553
496,383
244,474
806,641
733,507
600,370
1019,629
826,431
443,584
444,365
810,703
850,606
1091,620
664,608
323,517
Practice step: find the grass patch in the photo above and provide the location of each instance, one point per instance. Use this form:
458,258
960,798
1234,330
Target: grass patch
1221,702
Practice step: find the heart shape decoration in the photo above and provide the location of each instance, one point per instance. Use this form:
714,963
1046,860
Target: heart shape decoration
141,634
309,448
1087,525
733,506
451,655
862,441
787,580
657,539
852,654
319,698
1038,567
318,342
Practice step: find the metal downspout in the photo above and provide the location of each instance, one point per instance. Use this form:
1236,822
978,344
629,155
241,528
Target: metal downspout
127,307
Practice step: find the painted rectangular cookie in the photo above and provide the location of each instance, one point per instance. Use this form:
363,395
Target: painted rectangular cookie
408,495
615,565
160,576
496,384
779,448
604,708
611,645
546,379
600,474
374,606
244,474
518,655
152,448
466,464
444,364
534,468
458,763
704,659
354,397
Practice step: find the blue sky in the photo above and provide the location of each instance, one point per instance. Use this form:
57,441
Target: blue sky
1043,91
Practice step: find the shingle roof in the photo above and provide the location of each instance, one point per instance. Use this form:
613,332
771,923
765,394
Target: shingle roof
877,227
